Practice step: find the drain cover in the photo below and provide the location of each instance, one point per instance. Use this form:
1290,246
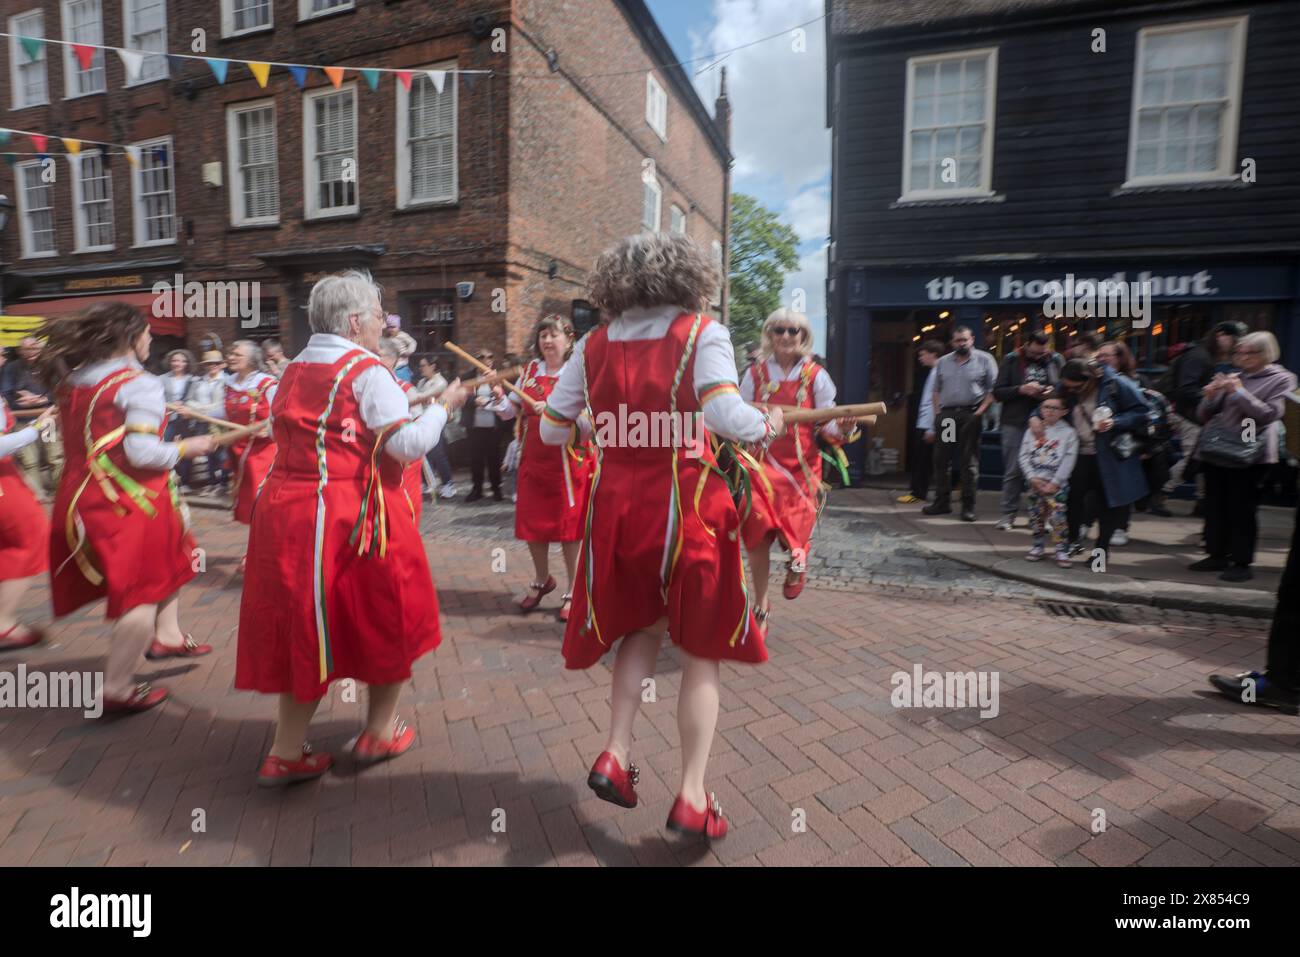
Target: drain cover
1090,612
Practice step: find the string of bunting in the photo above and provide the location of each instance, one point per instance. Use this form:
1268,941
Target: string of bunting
72,147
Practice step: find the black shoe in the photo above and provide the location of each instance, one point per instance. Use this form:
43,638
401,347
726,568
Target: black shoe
968,514
474,496
1237,573
1198,510
937,508
1210,564
497,496
1266,693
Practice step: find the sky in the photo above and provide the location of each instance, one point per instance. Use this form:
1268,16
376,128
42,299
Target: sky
778,103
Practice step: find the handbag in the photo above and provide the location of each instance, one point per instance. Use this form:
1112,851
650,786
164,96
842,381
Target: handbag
1222,444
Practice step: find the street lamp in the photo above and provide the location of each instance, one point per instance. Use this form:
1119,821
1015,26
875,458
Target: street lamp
6,206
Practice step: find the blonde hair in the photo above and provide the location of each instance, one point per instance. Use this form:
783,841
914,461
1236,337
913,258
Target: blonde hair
1264,342
653,269
767,349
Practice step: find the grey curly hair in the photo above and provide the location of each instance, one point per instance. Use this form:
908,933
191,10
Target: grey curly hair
653,269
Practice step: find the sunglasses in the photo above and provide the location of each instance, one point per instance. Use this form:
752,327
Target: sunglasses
786,330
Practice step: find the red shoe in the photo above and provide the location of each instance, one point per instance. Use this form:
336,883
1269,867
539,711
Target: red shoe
684,819
141,699
30,636
611,783
543,589
371,750
187,649
794,580
277,772
563,613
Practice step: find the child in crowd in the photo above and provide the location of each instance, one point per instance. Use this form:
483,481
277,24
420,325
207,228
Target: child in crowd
1046,462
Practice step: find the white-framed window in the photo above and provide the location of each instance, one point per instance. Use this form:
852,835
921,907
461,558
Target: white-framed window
245,16
31,88
153,193
254,167
92,202
426,140
948,149
83,22
652,198
144,24
330,152
677,219
656,106
315,8
35,209
1186,101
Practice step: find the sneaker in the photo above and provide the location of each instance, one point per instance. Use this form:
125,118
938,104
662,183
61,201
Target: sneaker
909,499
1210,564
1063,558
937,508
473,496
1035,554
968,514
1119,537
1266,692
1006,524
1076,548
447,491
1237,573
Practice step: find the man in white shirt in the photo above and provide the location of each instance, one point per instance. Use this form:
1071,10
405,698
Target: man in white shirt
922,453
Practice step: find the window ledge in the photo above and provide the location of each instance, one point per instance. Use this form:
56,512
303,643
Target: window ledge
1183,187
325,16
340,217
249,227
427,206
251,32
28,106
904,202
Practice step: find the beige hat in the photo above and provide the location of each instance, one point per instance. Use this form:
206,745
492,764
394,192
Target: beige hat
212,355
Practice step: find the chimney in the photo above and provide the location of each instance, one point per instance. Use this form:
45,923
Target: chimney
722,110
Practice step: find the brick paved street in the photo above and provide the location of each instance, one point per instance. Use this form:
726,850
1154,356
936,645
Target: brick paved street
1093,715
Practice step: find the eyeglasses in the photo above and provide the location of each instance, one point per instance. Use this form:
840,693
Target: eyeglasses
786,330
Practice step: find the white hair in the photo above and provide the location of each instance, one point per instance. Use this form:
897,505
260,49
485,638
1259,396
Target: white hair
389,347
790,317
1263,342
254,353
335,298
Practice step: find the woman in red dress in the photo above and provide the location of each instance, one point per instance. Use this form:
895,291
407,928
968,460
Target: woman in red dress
24,531
119,530
553,482
249,394
789,492
338,584
661,549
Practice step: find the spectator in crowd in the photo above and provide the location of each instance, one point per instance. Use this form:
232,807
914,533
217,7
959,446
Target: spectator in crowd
1109,415
434,383
1278,685
273,357
1155,445
24,392
922,454
207,396
1046,462
963,392
1240,412
484,443
1085,346
177,382
1027,376
405,346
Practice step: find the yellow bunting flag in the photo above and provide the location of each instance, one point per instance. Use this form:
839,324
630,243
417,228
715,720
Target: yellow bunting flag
72,146
260,72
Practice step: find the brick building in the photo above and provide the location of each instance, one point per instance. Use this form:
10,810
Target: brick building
512,180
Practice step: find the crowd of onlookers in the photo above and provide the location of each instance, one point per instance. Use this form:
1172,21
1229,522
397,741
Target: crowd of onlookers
1090,439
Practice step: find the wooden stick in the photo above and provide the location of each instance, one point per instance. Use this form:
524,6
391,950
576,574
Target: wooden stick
241,432
189,413
482,366
794,413
866,420
472,384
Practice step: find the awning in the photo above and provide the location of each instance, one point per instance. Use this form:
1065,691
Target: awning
161,326
14,329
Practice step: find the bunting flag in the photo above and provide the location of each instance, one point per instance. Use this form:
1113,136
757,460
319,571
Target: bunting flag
299,75
176,63
470,81
335,73
404,76
133,155
85,54
372,77
131,61
33,46
439,78
10,159
219,68
38,140
71,145
4,136
260,72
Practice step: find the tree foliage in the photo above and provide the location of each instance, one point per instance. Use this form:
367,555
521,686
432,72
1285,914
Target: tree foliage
763,250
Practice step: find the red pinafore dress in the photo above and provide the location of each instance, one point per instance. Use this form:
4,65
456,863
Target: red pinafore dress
554,480
661,535
118,531
788,497
24,529
412,475
253,457
337,583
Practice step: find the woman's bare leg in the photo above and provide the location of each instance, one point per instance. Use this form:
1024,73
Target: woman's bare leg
11,594
697,719
382,710
132,634
634,662
168,628
291,730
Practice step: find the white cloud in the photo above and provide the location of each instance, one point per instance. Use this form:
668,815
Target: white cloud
809,281
809,213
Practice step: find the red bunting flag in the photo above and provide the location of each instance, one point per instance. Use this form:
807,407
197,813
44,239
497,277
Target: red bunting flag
39,140
85,54
405,77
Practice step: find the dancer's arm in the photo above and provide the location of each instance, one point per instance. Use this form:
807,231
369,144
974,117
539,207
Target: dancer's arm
144,404
383,403
563,412
725,412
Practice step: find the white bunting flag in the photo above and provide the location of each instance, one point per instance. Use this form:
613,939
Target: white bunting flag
131,60
439,78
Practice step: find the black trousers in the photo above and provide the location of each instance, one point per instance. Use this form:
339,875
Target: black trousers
922,463
964,449
1284,639
1232,511
484,448
1088,498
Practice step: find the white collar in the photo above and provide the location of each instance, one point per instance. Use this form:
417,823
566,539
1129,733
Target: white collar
327,340
651,314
